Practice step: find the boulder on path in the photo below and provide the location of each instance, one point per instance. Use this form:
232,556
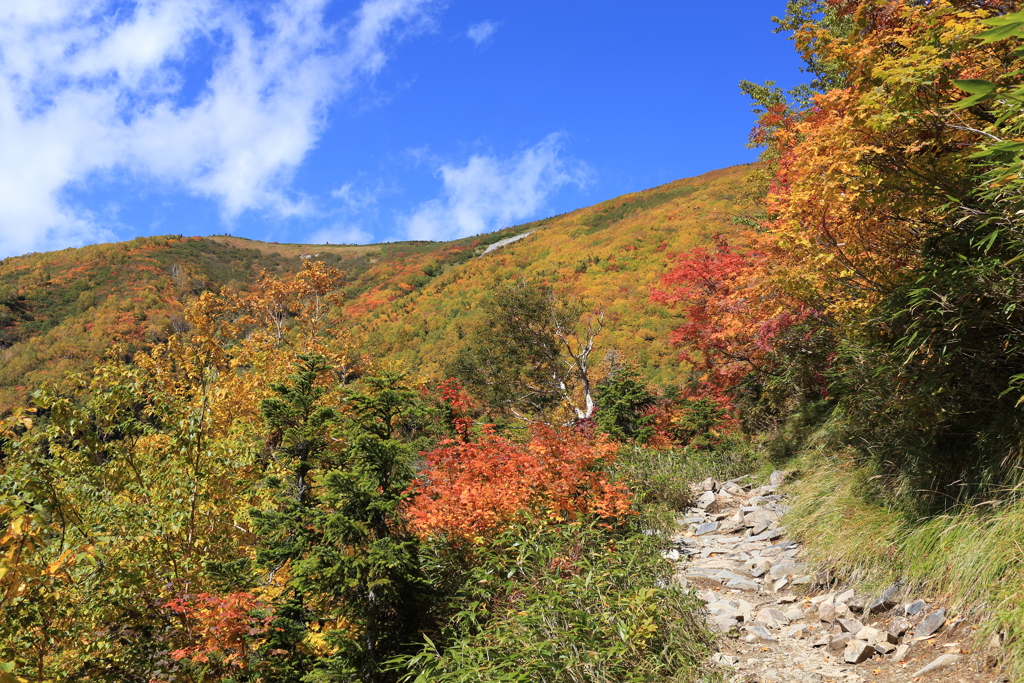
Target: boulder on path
708,484
826,612
706,499
777,478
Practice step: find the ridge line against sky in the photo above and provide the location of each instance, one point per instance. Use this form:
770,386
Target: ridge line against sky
353,122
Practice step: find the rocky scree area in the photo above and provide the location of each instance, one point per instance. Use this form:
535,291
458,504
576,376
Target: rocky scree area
780,621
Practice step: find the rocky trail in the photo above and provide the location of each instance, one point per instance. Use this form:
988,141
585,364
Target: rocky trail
780,623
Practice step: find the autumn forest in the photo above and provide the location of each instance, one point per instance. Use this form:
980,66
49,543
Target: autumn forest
229,460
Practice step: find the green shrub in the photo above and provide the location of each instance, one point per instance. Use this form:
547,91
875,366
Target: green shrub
623,402
567,603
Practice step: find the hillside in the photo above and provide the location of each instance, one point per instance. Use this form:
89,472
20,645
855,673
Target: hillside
408,301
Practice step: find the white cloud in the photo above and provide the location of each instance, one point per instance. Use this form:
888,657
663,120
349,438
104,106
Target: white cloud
90,87
479,33
489,193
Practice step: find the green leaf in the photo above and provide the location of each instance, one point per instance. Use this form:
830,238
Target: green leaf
1001,32
973,100
975,86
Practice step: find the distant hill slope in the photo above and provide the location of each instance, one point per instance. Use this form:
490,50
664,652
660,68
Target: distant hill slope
410,301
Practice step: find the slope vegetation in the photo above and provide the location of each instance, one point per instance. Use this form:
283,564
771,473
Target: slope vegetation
412,301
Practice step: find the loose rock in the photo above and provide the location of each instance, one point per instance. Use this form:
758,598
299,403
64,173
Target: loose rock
850,626
885,601
723,659
915,607
857,651
938,663
706,528
932,623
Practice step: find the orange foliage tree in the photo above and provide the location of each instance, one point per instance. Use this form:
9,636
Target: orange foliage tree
474,489
226,631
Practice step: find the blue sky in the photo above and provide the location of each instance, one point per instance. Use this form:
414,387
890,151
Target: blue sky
314,121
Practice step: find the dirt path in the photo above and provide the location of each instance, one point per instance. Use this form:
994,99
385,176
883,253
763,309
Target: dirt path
780,625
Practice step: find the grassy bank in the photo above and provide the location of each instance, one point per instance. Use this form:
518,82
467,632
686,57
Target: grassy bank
970,559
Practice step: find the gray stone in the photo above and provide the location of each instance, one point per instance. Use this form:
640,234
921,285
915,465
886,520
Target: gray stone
886,601
794,614
842,611
708,484
932,623
743,585
845,597
938,663
872,635
760,568
726,609
803,580
915,607
723,624
767,536
772,618
798,632
899,626
761,633
883,647
723,659
857,651
856,604
901,652
822,641
777,477
826,612
850,626
786,570
779,585
706,528
839,643
706,499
